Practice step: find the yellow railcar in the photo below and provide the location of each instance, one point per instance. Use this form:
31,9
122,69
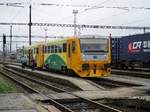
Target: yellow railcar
87,57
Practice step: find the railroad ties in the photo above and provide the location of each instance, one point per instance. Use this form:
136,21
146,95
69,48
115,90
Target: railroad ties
52,92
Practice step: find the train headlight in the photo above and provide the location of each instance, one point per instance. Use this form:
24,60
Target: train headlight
85,66
83,57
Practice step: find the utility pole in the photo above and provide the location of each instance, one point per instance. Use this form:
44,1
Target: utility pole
30,24
10,39
45,29
79,32
144,30
75,25
4,45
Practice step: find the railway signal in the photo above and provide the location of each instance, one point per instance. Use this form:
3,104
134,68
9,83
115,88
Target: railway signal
4,39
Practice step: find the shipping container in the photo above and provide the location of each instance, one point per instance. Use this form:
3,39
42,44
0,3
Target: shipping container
130,51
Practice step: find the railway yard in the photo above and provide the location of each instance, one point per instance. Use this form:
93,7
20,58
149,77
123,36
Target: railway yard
43,91
74,56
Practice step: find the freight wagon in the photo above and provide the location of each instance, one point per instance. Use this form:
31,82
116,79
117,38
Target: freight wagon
131,51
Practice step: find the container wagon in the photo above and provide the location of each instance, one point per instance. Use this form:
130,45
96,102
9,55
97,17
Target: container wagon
131,51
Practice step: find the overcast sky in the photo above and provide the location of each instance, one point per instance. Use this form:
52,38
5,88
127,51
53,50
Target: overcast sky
63,14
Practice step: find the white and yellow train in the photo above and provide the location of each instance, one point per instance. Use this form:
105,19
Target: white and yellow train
86,57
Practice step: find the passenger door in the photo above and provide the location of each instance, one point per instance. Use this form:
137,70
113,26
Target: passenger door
71,53
40,56
30,56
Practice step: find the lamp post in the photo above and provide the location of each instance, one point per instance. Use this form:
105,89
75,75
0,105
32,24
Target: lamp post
45,29
30,24
10,39
75,25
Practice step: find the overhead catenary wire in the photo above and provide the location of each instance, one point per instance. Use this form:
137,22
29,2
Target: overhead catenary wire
79,25
24,36
20,4
89,6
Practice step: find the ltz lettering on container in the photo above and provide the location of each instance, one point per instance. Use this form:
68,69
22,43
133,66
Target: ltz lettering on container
139,46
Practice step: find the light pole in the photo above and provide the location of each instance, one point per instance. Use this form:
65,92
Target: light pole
30,24
10,39
75,25
45,29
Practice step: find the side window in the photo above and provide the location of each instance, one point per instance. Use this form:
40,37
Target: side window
52,50
49,49
34,51
55,48
73,47
37,50
64,47
59,48
42,49
45,49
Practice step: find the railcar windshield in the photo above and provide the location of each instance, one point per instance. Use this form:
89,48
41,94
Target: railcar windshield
94,49
94,45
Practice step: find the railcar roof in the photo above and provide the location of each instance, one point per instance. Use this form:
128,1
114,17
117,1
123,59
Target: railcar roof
34,45
59,40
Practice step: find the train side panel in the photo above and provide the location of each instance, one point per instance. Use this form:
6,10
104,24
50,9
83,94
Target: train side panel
136,48
55,55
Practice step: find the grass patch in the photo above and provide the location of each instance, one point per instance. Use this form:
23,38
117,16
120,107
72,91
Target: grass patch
6,87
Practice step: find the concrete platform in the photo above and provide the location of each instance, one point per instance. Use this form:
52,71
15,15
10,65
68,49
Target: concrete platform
79,83
18,102
114,93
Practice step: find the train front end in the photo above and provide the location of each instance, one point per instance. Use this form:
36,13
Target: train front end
95,57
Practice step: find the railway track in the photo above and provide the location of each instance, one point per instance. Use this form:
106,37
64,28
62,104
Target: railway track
128,105
101,83
137,72
134,73
107,83
83,104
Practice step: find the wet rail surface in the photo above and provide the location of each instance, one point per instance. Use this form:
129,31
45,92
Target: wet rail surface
81,105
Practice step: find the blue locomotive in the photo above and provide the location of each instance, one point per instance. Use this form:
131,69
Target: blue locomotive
131,51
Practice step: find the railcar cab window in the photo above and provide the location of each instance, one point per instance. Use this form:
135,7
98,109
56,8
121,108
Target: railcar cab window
94,48
94,45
